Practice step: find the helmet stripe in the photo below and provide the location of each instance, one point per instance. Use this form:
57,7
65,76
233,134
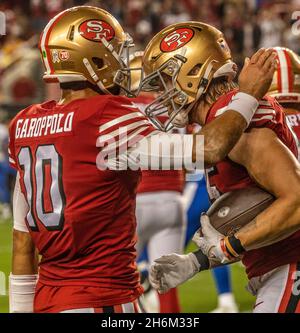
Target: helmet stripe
289,71
282,72
45,40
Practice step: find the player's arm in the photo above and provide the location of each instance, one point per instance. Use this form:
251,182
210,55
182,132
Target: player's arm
23,277
221,135
274,168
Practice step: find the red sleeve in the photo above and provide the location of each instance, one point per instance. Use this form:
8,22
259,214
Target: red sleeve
11,146
122,124
266,115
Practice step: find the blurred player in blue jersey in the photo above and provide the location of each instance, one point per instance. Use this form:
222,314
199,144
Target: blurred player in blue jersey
5,173
196,201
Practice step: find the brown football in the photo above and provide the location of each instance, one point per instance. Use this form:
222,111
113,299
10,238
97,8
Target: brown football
236,209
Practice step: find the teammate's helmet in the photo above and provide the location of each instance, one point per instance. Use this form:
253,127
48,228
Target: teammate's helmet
191,54
85,43
285,86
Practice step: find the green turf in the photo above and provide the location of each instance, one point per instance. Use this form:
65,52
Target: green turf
197,295
5,259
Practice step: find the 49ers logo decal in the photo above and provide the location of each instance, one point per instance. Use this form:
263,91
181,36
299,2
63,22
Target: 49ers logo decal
176,39
95,30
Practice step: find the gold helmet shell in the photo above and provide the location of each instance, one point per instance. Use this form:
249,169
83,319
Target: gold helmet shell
84,43
191,54
285,86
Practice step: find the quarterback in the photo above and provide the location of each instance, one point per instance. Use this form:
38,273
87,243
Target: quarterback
79,218
270,245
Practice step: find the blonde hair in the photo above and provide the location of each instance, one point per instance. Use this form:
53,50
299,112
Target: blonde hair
217,88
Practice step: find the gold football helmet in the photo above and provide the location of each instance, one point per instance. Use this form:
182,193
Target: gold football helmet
189,55
86,43
285,86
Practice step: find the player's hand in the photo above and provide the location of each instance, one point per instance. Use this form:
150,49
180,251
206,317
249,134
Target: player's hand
257,73
171,270
209,240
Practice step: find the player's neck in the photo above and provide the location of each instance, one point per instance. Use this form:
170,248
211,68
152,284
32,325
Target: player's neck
198,115
69,95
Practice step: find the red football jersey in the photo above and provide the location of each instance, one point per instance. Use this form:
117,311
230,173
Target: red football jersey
293,118
228,176
81,219
160,180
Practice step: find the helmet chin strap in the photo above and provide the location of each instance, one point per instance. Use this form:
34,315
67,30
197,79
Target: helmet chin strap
94,76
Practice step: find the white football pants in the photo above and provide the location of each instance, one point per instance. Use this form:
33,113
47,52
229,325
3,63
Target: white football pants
277,291
160,223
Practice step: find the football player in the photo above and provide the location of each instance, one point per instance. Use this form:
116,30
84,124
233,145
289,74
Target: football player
74,199
285,86
269,246
160,231
196,201
160,228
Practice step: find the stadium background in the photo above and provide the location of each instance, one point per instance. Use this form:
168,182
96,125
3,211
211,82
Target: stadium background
247,25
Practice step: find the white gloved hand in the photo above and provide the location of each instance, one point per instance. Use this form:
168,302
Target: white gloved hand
208,239
171,270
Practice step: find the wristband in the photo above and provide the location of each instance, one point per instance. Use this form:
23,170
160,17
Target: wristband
202,260
21,293
244,104
233,246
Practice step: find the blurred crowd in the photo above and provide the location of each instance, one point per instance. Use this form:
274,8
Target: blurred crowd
247,25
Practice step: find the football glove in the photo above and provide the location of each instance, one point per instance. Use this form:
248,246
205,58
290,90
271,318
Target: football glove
171,270
211,242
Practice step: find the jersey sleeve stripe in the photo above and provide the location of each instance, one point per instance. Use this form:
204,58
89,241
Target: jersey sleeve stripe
265,111
121,119
269,117
264,103
129,140
122,129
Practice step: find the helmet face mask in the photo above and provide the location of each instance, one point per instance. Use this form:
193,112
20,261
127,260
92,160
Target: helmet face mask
85,43
164,81
123,77
191,54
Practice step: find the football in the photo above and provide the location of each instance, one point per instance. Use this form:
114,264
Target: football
236,209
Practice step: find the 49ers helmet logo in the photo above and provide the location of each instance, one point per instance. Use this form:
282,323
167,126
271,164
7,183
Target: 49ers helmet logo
176,39
95,30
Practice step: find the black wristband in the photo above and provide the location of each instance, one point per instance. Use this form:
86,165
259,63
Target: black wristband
236,245
202,260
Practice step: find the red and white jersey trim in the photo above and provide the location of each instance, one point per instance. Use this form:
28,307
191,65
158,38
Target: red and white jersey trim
134,115
264,111
124,130
11,159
